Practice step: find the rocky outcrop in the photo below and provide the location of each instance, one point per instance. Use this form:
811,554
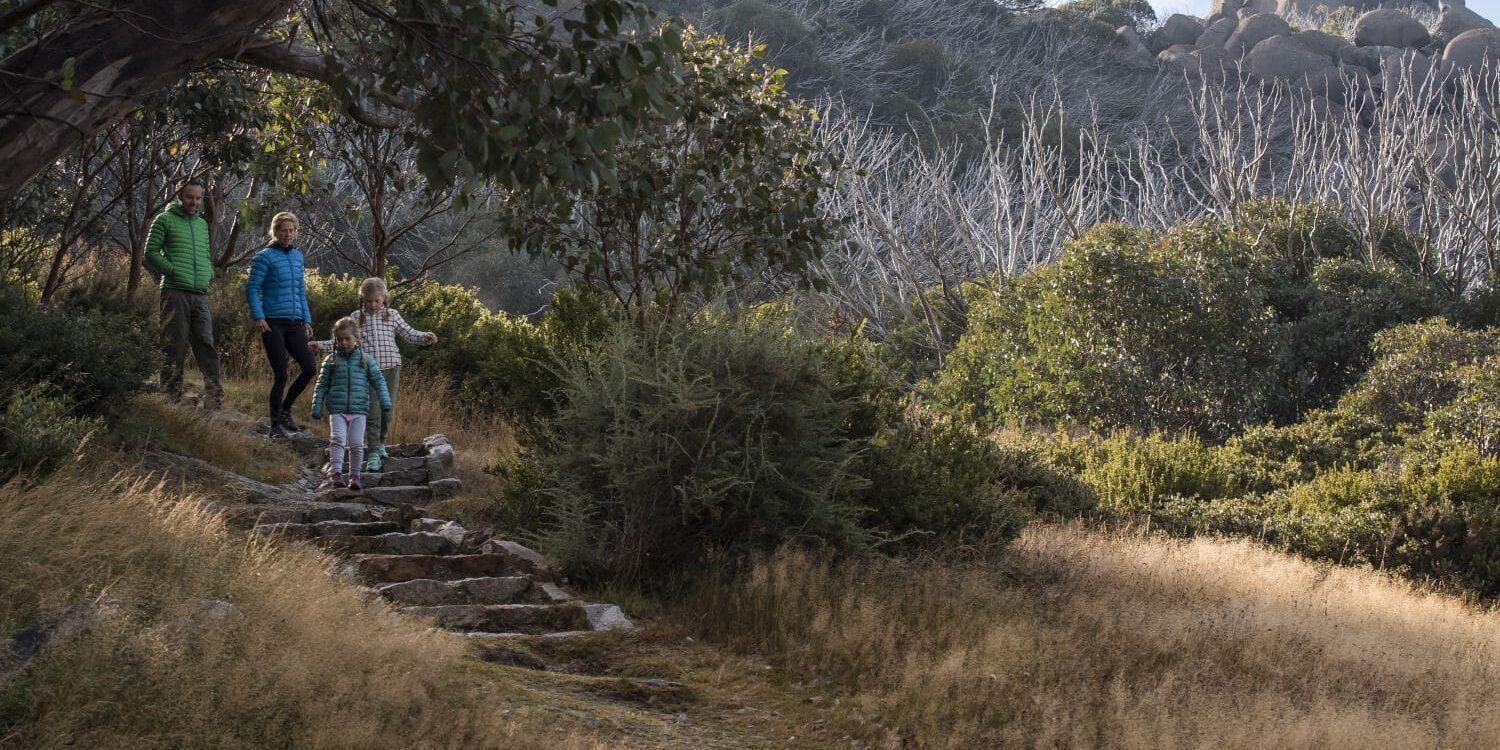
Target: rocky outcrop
1253,31
1178,29
1285,59
1320,42
1473,51
1387,27
1456,19
1217,34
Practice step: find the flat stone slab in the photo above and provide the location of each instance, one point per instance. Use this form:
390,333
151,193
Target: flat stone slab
392,496
404,463
520,618
396,568
426,592
395,543
346,528
396,478
521,558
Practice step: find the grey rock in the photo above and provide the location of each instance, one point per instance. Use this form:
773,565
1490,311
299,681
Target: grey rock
1413,66
607,617
1199,63
520,558
1178,29
1136,55
1473,51
1456,19
1369,58
1217,34
1320,42
1387,27
553,593
445,487
78,619
506,618
1253,31
481,590
1283,58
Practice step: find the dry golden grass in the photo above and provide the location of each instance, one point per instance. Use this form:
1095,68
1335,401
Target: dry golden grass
309,665
154,423
1127,642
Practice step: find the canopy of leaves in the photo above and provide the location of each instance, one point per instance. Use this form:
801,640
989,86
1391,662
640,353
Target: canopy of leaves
725,186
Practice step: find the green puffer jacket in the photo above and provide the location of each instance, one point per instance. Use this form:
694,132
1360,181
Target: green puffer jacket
177,248
344,384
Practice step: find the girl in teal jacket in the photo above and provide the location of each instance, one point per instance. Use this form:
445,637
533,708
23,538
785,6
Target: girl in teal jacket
345,382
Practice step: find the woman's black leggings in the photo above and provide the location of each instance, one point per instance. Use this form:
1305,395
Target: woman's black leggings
287,337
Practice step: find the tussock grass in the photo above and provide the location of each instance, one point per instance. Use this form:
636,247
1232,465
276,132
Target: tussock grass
308,665
152,422
1116,641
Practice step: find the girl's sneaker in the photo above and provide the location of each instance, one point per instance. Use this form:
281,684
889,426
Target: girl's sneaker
338,479
376,458
354,483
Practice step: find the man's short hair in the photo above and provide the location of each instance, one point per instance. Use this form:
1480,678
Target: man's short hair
192,182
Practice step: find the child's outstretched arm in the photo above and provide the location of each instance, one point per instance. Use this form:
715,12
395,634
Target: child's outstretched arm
412,335
325,346
320,391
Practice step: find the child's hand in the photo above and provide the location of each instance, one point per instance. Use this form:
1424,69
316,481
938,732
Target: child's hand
431,338
312,346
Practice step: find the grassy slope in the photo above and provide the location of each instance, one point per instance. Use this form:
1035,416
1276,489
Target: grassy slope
1078,640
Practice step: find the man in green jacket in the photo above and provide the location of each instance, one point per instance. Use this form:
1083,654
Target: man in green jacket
177,248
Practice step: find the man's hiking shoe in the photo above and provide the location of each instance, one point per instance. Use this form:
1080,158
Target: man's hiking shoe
285,421
354,483
337,480
276,433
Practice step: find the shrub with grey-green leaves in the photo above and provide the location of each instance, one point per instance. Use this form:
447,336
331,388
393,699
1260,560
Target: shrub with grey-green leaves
686,445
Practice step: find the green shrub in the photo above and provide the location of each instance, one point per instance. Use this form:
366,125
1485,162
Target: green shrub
1324,439
1418,368
938,483
38,430
696,443
1125,330
1450,529
1349,303
1131,474
96,361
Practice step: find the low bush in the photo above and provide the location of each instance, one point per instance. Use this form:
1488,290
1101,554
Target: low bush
94,360
38,431
692,444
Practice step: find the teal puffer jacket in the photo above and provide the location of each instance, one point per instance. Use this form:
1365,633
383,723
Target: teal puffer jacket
344,384
177,248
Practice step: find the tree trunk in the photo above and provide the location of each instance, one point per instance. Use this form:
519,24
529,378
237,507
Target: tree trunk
116,62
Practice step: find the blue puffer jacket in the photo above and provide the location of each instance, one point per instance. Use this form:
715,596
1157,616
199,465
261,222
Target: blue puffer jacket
344,384
276,288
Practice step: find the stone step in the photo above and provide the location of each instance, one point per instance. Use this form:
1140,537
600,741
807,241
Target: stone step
395,478
397,568
327,529
248,516
505,618
407,450
404,495
425,592
407,463
395,543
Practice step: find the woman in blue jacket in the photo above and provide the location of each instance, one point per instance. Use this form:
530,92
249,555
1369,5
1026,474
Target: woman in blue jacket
277,294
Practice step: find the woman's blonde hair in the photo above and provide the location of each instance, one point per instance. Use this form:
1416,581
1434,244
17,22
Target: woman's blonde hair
282,218
370,289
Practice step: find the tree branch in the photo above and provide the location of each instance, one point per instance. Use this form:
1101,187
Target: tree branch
305,62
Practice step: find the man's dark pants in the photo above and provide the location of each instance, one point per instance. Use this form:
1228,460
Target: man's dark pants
185,321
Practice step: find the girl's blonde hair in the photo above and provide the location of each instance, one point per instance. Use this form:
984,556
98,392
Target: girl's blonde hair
282,218
370,289
346,325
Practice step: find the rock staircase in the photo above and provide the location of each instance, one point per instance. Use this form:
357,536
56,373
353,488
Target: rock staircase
426,567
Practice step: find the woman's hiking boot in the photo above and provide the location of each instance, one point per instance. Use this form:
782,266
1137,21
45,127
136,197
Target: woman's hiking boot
276,432
285,421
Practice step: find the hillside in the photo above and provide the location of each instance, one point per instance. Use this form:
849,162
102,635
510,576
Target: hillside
171,630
